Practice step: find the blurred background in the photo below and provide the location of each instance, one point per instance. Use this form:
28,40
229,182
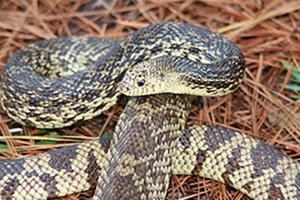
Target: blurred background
267,105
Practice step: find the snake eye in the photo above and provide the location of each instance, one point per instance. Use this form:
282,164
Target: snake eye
141,83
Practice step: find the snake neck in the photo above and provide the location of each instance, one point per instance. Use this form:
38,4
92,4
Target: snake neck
144,142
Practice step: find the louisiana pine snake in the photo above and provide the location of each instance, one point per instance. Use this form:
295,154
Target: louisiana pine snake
162,58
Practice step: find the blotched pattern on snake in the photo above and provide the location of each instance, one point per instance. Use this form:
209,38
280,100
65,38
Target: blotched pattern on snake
56,83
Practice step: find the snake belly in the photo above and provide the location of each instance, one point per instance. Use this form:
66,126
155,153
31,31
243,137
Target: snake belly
251,166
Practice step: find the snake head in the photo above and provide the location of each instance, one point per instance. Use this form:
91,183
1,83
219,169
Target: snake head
142,79
156,76
179,75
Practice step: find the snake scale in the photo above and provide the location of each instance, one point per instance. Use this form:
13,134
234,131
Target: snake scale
56,83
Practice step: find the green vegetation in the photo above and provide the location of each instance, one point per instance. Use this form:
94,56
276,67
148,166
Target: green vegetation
294,82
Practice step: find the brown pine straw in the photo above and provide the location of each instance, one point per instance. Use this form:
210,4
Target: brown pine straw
268,32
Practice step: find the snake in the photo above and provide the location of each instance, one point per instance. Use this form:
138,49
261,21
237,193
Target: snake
58,82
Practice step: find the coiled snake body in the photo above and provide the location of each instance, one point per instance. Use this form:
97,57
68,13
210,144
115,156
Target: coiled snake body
46,85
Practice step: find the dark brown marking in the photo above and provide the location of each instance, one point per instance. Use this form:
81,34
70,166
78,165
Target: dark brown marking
201,156
50,183
275,192
9,188
185,138
248,187
233,164
11,167
234,160
66,156
216,136
31,174
264,157
93,169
